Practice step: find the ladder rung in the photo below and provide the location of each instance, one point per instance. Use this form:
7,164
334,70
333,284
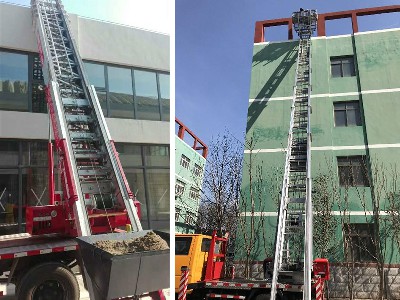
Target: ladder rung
93,172
78,118
102,187
82,135
75,102
297,200
88,155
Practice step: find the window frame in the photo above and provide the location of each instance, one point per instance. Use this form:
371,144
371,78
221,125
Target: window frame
360,234
194,193
179,188
185,161
132,70
339,60
31,79
346,110
353,162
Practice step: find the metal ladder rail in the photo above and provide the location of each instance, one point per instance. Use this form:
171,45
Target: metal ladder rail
301,185
72,189
125,192
285,185
52,16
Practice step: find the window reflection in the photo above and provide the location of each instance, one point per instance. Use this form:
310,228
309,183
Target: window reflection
156,155
136,183
13,81
121,93
95,73
146,95
164,93
129,154
158,188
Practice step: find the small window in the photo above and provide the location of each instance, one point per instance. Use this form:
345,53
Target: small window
185,161
190,219
359,242
205,245
177,214
352,171
179,188
342,66
182,245
347,114
194,193
197,170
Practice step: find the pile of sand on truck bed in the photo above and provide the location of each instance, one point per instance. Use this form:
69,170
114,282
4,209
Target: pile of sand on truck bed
150,242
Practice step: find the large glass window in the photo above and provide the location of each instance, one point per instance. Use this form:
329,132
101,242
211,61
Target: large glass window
25,163
147,171
135,179
9,195
130,155
158,186
95,73
120,92
14,81
96,76
156,155
35,187
146,95
9,153
164,95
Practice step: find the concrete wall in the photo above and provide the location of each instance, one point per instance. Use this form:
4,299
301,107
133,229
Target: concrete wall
97,40
376,86
24,125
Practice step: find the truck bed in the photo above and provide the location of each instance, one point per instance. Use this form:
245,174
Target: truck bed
24,244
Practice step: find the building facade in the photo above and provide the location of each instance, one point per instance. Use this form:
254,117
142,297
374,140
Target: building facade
355,152
129,68
190,161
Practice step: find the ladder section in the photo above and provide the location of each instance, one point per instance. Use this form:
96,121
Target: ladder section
94,183
293,248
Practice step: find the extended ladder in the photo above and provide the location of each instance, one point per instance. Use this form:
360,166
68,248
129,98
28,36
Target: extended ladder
98,198
293,245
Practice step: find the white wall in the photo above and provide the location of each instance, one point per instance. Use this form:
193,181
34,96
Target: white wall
97,40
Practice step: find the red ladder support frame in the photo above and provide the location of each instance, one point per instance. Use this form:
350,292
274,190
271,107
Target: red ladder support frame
216,259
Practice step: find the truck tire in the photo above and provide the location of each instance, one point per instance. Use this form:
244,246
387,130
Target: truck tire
48,281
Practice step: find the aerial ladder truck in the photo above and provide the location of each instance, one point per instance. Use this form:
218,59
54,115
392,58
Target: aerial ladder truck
295,275
95,201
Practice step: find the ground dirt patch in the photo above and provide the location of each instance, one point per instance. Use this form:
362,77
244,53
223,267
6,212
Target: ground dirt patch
150,242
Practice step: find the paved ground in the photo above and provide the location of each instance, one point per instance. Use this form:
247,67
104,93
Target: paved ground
9,291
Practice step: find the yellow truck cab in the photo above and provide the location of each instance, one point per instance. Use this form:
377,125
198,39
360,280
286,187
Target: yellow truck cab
191,250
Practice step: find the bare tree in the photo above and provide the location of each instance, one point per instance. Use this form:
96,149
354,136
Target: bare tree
221,185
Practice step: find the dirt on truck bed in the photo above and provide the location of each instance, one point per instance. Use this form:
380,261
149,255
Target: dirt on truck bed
150,242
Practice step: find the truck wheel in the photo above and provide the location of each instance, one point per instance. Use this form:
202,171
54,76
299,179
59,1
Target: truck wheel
48,281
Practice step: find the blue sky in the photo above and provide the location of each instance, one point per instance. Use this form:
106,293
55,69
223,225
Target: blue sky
214,41
148,14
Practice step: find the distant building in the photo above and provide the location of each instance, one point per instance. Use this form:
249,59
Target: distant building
355,125
190,161
129,68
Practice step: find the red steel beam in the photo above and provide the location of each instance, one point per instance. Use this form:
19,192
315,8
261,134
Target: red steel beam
353,14
181,133
259,36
